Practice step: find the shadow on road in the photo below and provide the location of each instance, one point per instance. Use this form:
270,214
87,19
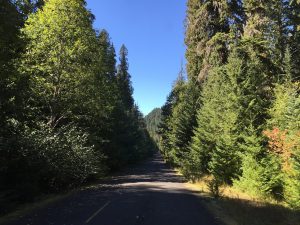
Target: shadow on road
149,194
154,170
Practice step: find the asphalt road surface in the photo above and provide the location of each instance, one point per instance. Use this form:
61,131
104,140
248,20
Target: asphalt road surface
149,194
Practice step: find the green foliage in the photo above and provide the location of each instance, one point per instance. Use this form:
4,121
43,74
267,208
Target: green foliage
183,122
153,120
57,77
165,128
10,46
285,116
66,113
204,22
123,79
63,155
213,147
292,184
27,7
246,132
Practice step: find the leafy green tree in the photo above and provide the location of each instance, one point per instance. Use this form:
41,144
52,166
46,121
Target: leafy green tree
66,112
58,54
26,7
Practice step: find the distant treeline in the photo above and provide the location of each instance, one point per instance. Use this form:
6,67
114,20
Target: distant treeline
153,120
66,109
237,117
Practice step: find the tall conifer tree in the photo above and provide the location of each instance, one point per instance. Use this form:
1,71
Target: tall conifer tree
123,79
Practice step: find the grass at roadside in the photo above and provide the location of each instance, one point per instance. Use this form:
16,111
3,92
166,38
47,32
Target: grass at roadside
238,208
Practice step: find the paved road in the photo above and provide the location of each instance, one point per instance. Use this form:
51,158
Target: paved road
150,194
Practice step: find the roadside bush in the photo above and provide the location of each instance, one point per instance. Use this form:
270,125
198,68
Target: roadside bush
64,157
47,160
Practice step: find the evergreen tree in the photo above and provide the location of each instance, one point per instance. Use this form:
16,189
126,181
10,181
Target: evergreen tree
152,120
183,122
211,28
283,136
165,128
213,147
123,80
203,21
260,52
295,45
107,55
128,139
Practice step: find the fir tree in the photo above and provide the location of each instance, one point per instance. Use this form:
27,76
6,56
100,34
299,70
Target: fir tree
203,21
213,148
107,55
165,128
283,136
153,119
183,122
123,79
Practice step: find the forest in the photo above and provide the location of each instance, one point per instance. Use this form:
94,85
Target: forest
232,117
67,114
236,118
153,120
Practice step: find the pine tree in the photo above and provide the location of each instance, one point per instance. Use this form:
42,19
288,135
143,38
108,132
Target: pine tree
213,148
203,21
152,120
107,55
123,80
292,18
165,128
283,136
262,168
183,122
208,36
260,49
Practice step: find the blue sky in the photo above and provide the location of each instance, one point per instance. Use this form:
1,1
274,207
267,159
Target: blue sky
153,32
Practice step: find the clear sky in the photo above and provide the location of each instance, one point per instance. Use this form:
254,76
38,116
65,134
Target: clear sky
153,32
